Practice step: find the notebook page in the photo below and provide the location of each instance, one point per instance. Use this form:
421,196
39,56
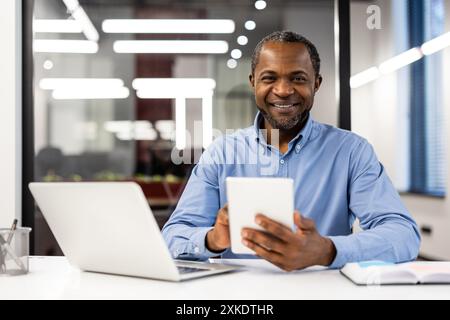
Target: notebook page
431,271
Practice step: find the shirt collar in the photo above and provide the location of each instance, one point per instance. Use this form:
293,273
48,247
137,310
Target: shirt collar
303,135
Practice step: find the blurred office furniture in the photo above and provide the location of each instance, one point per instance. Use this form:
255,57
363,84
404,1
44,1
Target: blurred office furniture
160,179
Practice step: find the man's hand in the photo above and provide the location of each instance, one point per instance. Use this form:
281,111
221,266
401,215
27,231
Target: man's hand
218,238
286,249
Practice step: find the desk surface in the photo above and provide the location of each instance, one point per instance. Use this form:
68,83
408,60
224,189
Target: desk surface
54,278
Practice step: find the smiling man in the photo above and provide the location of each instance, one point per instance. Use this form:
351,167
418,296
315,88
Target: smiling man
337,177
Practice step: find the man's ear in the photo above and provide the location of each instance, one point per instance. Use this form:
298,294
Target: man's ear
251,78
317,83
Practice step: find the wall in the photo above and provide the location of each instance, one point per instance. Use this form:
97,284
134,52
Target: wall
375,106
315,20
10,111
431,212
378,114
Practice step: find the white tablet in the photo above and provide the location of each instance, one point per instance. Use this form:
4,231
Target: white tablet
273,197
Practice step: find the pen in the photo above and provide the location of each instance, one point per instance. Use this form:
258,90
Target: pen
2,262
11,232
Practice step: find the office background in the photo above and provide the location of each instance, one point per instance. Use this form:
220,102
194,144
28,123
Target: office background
127,137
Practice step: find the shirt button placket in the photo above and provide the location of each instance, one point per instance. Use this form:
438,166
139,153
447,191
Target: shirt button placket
283,169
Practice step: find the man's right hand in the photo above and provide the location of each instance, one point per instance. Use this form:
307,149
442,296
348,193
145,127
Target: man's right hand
218,238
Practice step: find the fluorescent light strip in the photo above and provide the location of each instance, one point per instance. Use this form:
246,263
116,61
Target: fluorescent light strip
171,88
170,94
126,125
364,77
88,28
165,126
401,60
174,83
180,123
56,26
117,126
166,129
171,46
131,130
93,93
178,26
180,89
77,83
71,5
148,134
80,15
65,46
436,44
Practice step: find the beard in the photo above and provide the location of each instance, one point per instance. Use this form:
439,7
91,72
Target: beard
286,124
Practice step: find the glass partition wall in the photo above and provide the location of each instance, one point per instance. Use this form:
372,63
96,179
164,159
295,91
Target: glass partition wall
135,90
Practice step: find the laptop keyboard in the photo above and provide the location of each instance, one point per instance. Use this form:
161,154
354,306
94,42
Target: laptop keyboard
184,270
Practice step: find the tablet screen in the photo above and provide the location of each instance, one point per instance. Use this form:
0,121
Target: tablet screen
273,197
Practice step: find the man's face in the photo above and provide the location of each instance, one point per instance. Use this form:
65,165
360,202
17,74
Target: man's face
284,83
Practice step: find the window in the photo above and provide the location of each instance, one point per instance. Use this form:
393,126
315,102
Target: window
426,21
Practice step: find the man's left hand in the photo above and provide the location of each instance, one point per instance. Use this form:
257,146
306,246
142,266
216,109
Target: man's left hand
286,249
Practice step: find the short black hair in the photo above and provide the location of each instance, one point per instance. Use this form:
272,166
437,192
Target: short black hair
288,36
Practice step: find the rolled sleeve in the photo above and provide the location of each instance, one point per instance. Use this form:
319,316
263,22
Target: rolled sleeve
197,247
390,233
344,249
186,230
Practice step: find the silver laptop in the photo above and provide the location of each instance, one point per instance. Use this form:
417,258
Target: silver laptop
108,227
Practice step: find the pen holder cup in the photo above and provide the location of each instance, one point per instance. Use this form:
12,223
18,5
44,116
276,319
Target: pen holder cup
14,251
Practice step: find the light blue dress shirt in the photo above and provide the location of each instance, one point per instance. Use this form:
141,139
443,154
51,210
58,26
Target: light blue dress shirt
337,178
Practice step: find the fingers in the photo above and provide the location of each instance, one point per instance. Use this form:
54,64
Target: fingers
218,238
277,229
222,216
264,240
269,255
297,219
303,223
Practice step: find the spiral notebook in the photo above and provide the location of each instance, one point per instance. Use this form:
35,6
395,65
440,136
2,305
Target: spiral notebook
379,272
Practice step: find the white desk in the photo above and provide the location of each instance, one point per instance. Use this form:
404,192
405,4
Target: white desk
54,278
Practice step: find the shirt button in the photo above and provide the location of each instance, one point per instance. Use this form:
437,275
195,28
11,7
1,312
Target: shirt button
282,161
197,250
297,149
